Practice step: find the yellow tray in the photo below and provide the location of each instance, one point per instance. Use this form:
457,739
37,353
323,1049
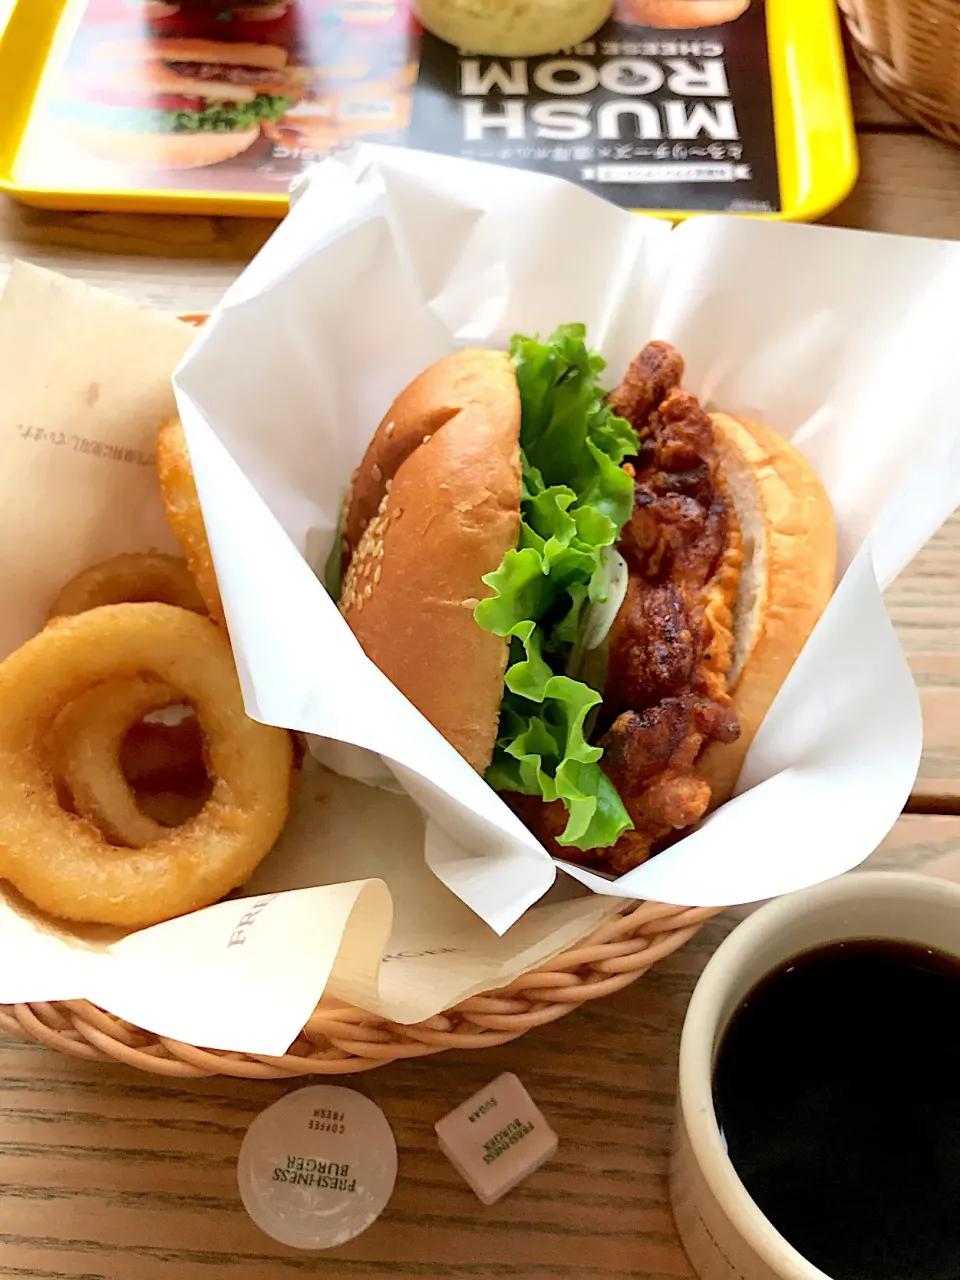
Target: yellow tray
815,139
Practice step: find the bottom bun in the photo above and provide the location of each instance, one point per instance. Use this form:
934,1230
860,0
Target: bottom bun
683,14
789,570
161,150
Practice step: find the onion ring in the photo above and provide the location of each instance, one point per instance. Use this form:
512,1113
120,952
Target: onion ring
59,860
132,578
155,755
174,808
86,751
182,504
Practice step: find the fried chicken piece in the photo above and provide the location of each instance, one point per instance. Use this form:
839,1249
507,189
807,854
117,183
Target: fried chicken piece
682,545
652,649
641,744
655,371
650,757
685,435
665,696
547,820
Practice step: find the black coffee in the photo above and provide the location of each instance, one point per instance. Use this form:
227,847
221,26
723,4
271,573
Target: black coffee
837,1088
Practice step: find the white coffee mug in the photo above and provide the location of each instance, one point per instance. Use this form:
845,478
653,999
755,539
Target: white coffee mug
724,1233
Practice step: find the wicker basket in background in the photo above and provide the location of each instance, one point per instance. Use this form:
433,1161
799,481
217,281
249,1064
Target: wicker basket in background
342,1040
910,52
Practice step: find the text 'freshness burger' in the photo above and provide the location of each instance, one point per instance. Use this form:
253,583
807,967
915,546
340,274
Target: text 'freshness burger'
594,598
172,103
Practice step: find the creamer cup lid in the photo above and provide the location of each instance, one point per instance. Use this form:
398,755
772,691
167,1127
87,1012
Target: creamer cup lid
317,1167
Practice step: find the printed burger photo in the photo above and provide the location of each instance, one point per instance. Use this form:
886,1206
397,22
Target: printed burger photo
177,103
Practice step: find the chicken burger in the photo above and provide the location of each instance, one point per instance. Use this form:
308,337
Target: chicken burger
595,598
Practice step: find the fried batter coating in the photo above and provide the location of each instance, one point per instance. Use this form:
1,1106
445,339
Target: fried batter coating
62,862
182,504
670,647
131,578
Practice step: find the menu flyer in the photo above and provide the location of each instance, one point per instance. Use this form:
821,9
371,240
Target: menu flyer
216,97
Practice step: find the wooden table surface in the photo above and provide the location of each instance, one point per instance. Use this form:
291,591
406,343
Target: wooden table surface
107,1173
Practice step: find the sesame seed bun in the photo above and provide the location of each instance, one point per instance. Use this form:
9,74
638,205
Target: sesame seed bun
435,505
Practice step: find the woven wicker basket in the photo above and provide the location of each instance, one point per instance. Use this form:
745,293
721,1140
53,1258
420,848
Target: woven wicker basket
342,1040
910,52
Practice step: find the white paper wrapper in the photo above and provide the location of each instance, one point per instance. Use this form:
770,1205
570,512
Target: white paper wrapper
390,260
345,901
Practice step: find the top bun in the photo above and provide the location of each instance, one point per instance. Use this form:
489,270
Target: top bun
513,28
789,569
435,505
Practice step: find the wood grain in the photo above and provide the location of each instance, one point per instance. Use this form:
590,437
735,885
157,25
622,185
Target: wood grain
105,1173
909,185
937,789
180,264
870,110
924,602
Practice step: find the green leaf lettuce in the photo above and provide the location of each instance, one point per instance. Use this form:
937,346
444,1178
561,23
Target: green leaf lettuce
575,500
216,117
